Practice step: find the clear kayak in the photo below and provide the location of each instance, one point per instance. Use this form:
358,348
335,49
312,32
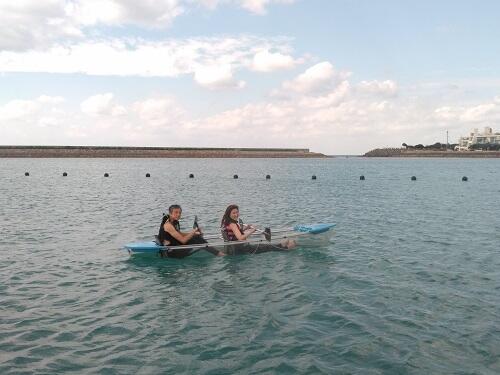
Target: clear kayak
216,241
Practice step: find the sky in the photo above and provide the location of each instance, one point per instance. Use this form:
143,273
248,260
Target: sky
334,76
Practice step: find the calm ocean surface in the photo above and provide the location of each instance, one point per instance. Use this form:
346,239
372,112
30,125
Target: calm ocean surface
408,283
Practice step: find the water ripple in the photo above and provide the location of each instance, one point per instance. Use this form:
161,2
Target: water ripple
409,283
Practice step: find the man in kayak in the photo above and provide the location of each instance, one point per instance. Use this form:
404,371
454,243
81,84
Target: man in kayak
170,235
232,230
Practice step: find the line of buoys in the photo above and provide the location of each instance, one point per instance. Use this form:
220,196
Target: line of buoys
268,176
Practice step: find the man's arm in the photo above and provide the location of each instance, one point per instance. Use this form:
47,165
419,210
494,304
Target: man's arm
183,238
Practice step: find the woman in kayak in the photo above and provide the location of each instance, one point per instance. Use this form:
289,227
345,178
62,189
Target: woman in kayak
170,235
233,230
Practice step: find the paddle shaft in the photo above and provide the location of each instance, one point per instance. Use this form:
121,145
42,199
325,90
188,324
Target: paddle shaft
227,243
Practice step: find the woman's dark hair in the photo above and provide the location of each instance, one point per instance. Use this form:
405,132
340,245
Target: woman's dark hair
173,207
226,219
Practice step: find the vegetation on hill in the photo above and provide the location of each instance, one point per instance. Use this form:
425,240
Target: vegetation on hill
442,147
485,147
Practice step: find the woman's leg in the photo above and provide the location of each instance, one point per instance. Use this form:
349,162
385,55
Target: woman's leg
265,248
200,240
183,253
258,249
179,253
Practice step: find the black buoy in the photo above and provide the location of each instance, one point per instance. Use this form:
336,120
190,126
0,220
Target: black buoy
362,178
313,177
26,173
106,174
191,175
64,174
235,176
148,175
268,176
464,178
413,178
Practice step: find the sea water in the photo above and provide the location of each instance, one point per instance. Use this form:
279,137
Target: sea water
408,283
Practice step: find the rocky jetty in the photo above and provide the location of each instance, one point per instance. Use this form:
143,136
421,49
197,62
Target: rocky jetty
405,153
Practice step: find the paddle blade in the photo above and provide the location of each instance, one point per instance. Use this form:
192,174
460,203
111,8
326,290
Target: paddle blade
267,233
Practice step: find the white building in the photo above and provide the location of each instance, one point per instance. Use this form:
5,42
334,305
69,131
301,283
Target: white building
475,137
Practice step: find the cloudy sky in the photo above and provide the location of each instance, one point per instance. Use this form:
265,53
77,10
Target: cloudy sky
335,76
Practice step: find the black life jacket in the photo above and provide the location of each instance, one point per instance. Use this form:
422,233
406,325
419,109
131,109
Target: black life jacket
165,236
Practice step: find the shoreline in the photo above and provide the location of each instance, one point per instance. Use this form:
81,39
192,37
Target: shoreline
402,153
152,152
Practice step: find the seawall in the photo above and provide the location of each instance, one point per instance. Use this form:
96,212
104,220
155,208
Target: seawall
152,152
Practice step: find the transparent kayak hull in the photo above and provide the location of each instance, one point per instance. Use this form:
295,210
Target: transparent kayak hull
215,241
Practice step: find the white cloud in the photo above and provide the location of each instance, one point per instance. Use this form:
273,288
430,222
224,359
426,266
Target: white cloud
335,96
265,61
445,113
161,111
322,108
51,100
386,87
217,77
17,109
34,121
30,23
340,118
316,79
20,109
36,24
151,13
481,113
311,118
102,105
485,114
213,61
260,6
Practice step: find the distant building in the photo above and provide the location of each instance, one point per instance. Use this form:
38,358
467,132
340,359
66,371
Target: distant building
475,137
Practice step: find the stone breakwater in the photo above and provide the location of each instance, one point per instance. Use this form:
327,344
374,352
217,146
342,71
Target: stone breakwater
152,152
402,153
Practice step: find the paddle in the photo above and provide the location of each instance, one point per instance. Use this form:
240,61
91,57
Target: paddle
266,232
197,227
